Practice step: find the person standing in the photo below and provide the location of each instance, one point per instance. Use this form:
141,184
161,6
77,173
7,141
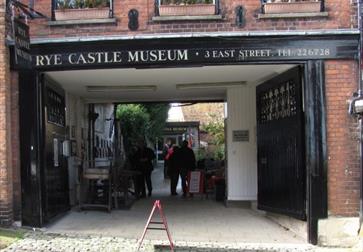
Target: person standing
144,157
167,147
186,159
133,165
173,169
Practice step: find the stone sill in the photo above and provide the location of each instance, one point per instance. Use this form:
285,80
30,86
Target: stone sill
186,18
83,22
293,15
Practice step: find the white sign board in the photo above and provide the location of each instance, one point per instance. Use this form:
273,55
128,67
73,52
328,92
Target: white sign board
194,185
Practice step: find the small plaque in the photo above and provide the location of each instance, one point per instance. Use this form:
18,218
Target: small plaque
241,136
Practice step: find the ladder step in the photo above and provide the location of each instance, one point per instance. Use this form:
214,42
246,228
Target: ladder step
156,222
156,228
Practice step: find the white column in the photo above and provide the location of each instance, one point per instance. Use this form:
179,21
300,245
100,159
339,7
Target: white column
241,156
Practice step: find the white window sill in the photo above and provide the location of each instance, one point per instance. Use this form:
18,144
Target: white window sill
293,15
83,21
186,18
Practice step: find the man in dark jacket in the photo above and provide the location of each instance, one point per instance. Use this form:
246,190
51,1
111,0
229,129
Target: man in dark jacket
173,169
144,157
186,159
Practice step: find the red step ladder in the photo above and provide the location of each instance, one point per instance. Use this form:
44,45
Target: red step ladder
157,205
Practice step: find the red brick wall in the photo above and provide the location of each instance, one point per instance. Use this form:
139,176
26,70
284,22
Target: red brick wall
6,193
342,137
341,15
204,112
15,148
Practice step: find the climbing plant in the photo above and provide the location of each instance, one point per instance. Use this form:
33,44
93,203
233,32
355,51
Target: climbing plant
215,128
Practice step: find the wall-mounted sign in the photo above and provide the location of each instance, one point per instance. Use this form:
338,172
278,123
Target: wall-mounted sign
23,58
174,130
178,52
163,56
241,136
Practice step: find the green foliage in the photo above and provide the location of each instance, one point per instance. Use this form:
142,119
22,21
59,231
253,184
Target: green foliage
201,154
158,114
9,236
80,4
133,122
215,129
219,153
141,121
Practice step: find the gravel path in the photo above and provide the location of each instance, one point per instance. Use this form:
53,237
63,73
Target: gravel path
46,242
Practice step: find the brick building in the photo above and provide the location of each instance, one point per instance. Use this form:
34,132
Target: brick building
293,69
204,112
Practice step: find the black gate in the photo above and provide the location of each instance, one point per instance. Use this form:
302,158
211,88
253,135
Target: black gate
55,191
280,140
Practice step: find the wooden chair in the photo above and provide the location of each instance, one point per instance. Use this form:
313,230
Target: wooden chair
95,173
123,182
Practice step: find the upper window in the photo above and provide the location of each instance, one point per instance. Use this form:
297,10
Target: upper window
82,9
186,7
292,6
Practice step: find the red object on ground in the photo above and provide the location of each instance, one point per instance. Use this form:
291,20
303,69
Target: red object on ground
157,205
213,180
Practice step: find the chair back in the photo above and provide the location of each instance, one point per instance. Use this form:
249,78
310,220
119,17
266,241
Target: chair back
97,169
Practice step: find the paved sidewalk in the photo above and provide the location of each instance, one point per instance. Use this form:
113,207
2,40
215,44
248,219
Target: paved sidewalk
192,219
195,224
46,242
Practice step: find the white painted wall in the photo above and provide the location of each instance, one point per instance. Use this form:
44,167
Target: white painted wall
76,118
102,131
241,156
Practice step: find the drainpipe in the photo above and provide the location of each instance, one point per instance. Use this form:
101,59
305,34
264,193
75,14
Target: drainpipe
360,95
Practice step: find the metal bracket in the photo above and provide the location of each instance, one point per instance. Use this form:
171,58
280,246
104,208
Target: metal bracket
240,16
133,19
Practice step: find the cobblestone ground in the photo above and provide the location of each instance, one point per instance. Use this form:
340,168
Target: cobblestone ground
45,242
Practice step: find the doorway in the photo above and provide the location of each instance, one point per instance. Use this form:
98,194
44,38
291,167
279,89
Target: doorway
203,84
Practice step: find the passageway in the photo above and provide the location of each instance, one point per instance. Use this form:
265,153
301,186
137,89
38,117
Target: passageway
92,130
192,219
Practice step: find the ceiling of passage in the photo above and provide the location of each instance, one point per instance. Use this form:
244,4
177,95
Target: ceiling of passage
163,84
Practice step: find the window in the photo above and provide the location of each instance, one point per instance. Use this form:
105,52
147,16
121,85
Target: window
82,9
186,7
292,6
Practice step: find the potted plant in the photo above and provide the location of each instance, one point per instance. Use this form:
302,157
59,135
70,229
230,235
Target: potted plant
186,7
291,6
82,9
